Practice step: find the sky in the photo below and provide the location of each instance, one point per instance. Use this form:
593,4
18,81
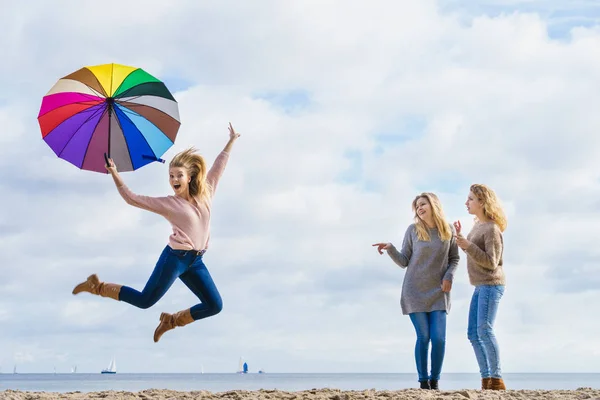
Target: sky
347,110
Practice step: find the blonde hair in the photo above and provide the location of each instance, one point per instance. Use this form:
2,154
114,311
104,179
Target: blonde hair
492,208
196,166
439,218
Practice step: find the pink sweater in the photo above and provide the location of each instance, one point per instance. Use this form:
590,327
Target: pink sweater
190,222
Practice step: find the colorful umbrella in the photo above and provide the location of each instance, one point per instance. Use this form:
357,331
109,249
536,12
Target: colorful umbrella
111,109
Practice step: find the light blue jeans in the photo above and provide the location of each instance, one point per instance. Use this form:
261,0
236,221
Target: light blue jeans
482,313
430,327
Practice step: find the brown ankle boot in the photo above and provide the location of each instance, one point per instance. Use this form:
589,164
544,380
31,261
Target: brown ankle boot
497,384
485,383
94,286
170,321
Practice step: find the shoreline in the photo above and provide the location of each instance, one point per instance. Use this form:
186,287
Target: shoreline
313,394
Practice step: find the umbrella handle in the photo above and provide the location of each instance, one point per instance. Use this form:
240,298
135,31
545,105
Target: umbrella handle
143,156
153,158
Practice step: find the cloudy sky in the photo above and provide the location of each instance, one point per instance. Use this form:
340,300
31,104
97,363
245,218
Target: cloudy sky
347,110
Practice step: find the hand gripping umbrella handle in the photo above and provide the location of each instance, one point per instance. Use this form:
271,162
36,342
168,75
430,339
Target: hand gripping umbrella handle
106,159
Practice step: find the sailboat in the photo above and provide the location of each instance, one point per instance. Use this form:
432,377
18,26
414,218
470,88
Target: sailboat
74,369
242,367
112,367
15,369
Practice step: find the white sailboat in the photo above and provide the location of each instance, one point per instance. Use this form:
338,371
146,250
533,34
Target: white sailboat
74,369
112,367
15,369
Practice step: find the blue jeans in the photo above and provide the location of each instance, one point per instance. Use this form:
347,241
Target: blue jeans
482,313
430,326
186,266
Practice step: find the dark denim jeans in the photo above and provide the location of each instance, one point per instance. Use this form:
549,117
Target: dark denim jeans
482,313
430,327
186,266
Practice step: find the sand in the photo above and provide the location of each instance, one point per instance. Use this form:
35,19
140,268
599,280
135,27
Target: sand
315,394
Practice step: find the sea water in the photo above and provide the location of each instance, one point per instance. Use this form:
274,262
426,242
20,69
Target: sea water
84,382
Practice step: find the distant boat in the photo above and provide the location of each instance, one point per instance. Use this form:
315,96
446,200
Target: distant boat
242,367
74,369
260,371
15,369
112,367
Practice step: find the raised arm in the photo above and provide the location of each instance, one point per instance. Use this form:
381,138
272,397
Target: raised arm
488,258
158,205
216,171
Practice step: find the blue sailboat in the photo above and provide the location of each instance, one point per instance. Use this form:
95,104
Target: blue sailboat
242,368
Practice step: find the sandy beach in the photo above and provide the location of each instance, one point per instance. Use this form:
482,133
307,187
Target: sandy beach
315,394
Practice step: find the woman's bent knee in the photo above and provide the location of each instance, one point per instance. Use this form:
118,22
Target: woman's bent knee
217,307
485,332
146,302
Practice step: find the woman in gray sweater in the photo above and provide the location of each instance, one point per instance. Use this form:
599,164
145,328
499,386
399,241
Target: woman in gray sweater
430,255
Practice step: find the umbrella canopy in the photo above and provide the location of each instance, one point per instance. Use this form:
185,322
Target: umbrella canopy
109,109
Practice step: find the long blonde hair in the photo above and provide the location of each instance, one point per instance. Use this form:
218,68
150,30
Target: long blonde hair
438,218
492,208
196,166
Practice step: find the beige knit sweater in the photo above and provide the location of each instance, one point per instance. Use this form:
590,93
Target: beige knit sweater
484,255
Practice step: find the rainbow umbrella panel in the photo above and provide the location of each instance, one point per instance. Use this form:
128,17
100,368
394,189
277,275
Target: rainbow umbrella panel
111,109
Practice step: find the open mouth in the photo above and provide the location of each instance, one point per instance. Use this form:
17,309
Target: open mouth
176,187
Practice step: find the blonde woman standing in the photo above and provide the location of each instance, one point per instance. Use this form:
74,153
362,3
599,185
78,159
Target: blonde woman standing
430,255
484,247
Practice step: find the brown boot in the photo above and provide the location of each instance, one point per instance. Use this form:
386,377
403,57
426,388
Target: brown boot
497,384
94,286
485,383
170,321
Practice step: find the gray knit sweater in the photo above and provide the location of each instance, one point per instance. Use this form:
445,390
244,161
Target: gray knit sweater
427,264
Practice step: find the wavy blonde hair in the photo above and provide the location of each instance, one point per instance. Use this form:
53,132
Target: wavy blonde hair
196,166
439,218
492,208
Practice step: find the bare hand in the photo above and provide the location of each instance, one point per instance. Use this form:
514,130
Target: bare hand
382,246
458,227
462,242
232,133
111,167
446,286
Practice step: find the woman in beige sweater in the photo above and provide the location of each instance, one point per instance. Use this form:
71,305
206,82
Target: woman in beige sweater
484,247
